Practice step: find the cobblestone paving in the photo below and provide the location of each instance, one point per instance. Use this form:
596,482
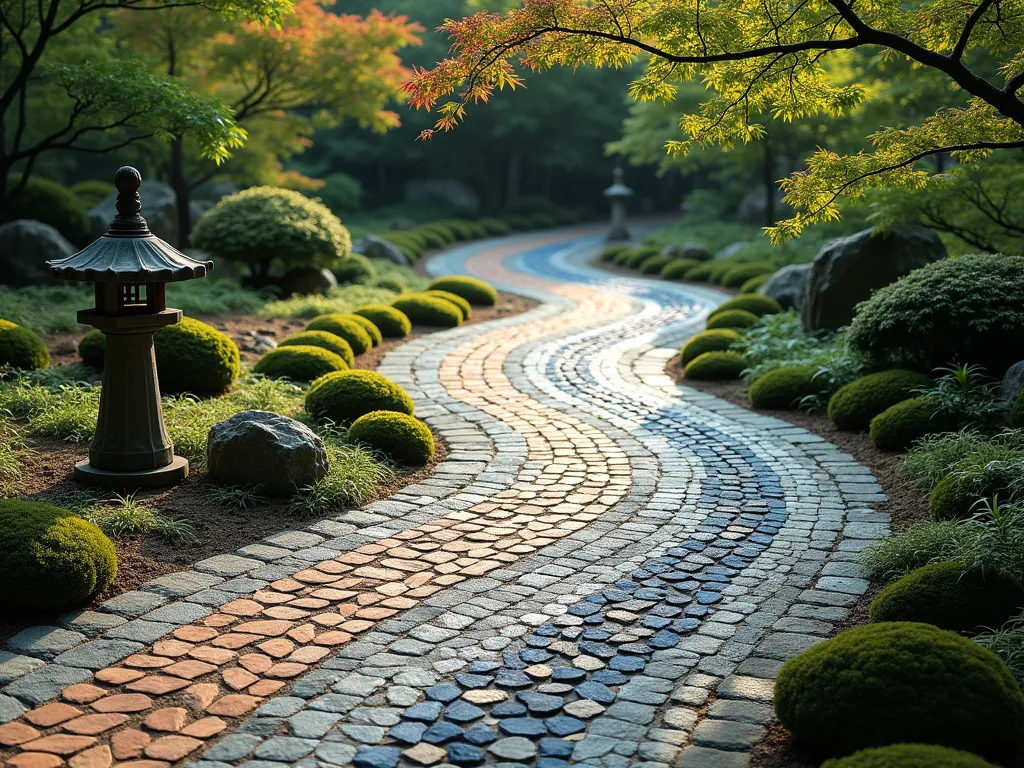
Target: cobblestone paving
608,570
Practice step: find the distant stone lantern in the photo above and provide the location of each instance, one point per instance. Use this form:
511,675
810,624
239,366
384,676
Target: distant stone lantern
618,193
130,267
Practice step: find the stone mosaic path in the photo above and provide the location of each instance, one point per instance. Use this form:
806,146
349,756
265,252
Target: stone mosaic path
607,570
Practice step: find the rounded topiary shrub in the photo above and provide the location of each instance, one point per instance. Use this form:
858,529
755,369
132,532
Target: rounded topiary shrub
391,283
21,348
324,340
909,756
784,388
653,265
392,323
376,337
195,357
966,310
956,497
753,303
944,595
51,203
355,269
346,327
52,559
611,251
854,405
737,275
896,682
676,269
637,256
422,309
404,438
732,318
264,227
899,426
455,299
344,397
92,348
712,366
299,363
755,282
93,192
698,274
472,290
717,340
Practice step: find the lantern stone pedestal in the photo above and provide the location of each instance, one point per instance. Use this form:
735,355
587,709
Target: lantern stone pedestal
618,193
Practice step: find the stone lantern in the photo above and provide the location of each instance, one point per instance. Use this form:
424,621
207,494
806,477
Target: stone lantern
618,193
130,267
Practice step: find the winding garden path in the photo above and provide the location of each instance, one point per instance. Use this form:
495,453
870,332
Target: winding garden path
607,570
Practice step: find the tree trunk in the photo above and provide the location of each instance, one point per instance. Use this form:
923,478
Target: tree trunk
182,193
769,183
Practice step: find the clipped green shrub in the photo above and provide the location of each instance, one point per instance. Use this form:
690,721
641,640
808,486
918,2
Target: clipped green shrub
192,356
344,326
21,348
944,595
719,268
754,303
957,497
909,756
51,203
755,282
896,682
898,426
476,292
637,256
676,269
440,231
355,269
376,337
698,274
455,299
422,309
345,396
433,238
611,251
52,559
391,283
392,323
410,245
299,363
404,438
92,348
966,310
783,388
93,192
653,265
324,340
713,366
854,405
740,273
495,226
717,340
732,318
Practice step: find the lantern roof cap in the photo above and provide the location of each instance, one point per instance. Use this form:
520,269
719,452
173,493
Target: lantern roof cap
129,252
618,187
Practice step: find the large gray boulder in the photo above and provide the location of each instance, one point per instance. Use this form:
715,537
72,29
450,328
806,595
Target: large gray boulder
788,286
25,246
279,454
373,247
848,270
159,208
1013,382
307,281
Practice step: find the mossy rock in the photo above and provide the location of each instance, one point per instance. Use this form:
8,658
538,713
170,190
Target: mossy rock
897,682
899,426
944,595
458,301
737,275
784,388
755,282
392,323
715,366
344,326
956,497
733,318
754,303
195,357
52,560
404,438
676,269
355,269
299,363
422,309
345,396
653,265
322,339
1016,416
855,404
909,756
717,340
476,292
21,348
376,337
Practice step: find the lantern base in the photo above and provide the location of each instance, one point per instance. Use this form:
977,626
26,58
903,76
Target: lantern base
145,480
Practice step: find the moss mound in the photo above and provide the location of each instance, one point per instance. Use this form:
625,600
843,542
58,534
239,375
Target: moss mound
458,301
653,265
344,326
92,348
737,275
909,756
299,363
51,203
944,595
472,290
783,388
854,405
345,396
900,682
714,366
956,497
390,284
718,340
422,309
391,323
376,337
355,269
195,357
754,303
324,340
404,438
698,274
676,269
52,559
732,318
755,282
21,348
897,427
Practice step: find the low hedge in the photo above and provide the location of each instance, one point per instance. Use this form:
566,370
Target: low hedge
637,256
346,327
854,405
755,282
893,682
751,302
404,438
195,357
422,309
476,292
299,363
324,340
376,337
944,595
611,251
739,274
392,323
21,348
698,274
653,265
344,396
355,269
676,269
909,756
717,340
784,388
714,366
899,426
458,301
732,318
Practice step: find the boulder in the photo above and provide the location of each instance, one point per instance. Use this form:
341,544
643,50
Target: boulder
159,208
695,251
307,281
1013,382
279,454
848,270
25,245
788,286
373,247
732,249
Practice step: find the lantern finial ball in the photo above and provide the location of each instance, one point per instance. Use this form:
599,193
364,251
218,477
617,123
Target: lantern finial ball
128,180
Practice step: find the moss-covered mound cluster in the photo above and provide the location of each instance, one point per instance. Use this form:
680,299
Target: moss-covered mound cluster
897,682
323,339
715,366
899,426
192,356
355,269
299,363
51,203
458,301
392,323
404,438
346,327
754,303
854,405
736,275
52,559
756,282
653,265
345,396
717,340
784,388
676,269
21,348
732,318
909,756
376,337
423,309
474,291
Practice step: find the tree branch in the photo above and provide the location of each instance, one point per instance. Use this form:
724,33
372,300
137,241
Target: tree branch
972,21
